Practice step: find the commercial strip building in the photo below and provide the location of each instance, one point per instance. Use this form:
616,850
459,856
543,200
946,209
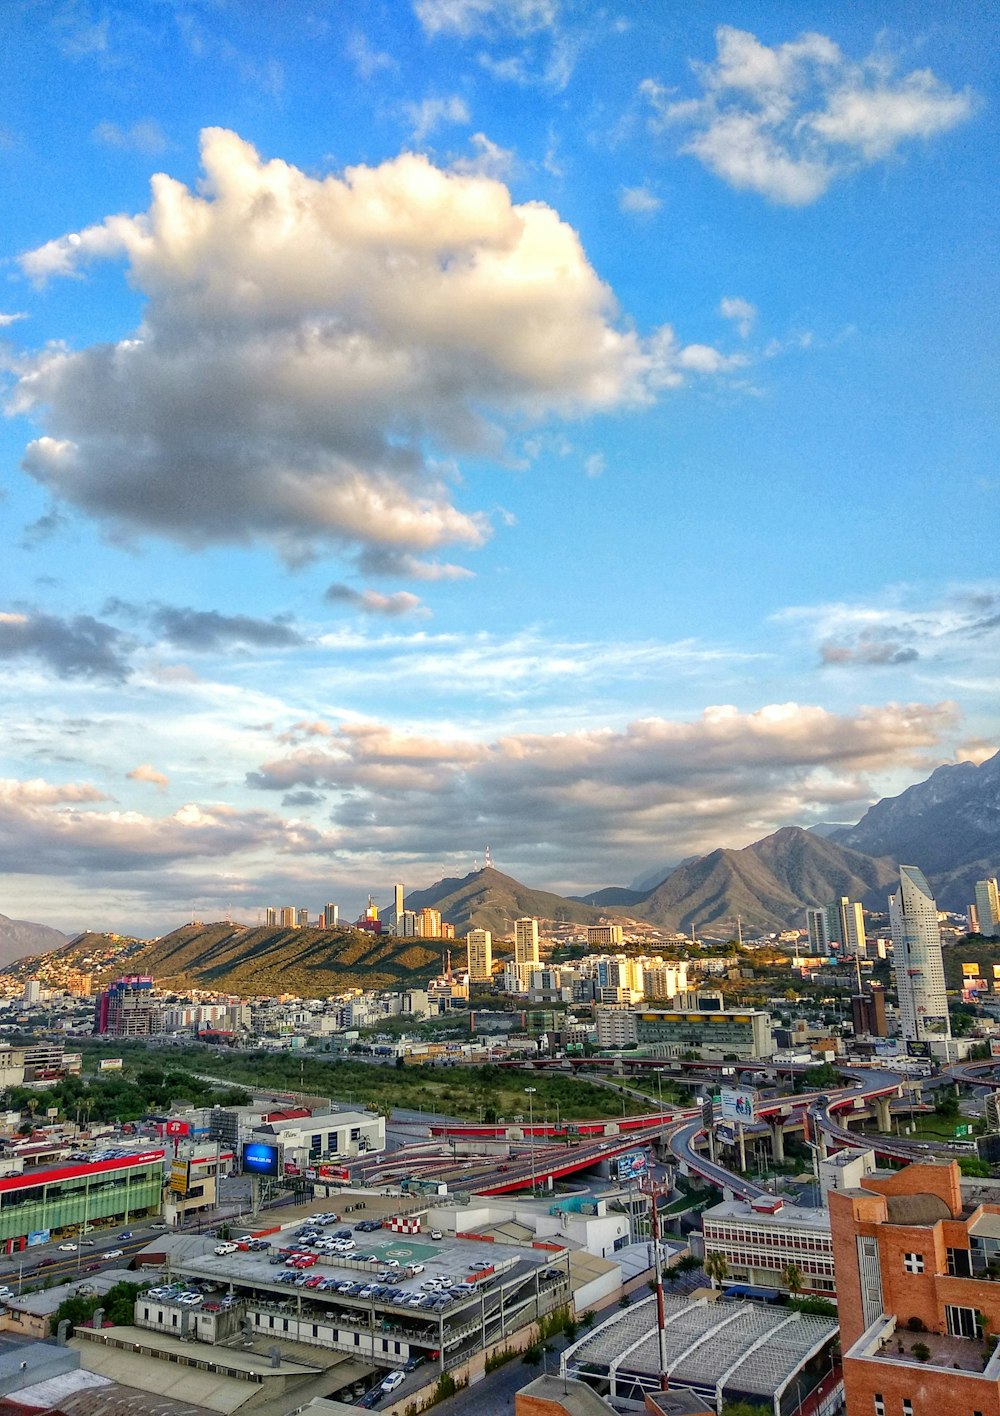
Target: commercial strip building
760,1239
722,1351
919,1306
59,1197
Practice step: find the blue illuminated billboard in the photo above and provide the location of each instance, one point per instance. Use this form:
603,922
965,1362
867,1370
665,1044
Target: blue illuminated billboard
261,1159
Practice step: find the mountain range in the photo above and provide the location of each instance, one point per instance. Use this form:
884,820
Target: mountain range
19,939
949,825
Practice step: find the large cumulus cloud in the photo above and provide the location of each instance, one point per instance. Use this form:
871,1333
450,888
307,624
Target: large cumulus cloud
315,352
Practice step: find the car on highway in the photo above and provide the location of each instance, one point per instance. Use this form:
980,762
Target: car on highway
68,1248
113,1253
126,1234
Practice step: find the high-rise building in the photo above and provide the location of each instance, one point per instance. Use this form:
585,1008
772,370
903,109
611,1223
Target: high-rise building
988,907
479,946
397,912
918,1310
838,927
331,914
270,917
32,991
819,938
429,923
916,944
288,917
302,918
845,926
526,941
127,1008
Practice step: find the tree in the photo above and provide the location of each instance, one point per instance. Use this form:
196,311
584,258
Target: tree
791,1276
716,1267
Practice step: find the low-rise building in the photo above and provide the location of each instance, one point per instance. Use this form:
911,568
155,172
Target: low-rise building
760,1242
744,1034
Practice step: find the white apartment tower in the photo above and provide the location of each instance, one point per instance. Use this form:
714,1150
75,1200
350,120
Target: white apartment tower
988,907
479,944
819,937
397,910
526,941
916,943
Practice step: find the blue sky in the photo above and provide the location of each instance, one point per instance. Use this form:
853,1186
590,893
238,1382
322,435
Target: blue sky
560,426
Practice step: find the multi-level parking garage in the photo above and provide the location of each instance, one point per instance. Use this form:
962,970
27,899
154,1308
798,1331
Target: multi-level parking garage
399,1300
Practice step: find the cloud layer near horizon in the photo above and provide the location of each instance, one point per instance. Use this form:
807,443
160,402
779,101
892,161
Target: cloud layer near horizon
313,353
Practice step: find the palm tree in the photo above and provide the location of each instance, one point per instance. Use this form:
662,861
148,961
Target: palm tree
792,1278
716,1268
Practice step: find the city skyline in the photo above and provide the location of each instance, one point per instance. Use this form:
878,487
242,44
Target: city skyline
536,423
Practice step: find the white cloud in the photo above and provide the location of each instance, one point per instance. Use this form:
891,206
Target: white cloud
432,113
740,311
144,136
468,17
595,465
638,201
314,352
10,319
367,60
488,159
788,121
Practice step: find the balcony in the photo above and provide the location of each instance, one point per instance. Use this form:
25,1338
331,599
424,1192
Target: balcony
883,1340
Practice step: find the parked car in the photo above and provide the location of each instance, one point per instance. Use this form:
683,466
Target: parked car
436,1234
226,1247
392,1381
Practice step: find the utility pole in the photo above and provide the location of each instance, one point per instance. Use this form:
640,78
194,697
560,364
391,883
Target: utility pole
661,1324
530,1092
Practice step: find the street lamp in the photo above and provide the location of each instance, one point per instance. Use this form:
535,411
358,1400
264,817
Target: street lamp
530,1094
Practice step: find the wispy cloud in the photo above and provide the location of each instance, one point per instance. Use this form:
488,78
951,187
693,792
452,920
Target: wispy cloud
433,113
789,120
639,201
144,136
372,602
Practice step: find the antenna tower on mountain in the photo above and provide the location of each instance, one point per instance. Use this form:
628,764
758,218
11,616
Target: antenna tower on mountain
488,860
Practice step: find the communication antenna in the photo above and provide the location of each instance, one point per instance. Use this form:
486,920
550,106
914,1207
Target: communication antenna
488,860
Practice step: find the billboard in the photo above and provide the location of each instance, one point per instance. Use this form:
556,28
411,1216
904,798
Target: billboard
631,1167
110,1064
261,1159
918,1048
176,1128
970,970
995,1046
934,1025
180,1177
738,1104
39,1236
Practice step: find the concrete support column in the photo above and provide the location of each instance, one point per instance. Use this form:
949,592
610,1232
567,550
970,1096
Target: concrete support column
884,1115
777,1142
821,1143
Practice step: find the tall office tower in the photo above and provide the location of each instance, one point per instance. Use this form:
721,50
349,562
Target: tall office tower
526,941
972,920
845,926
916,944
429,923
302,918
331,914
479,944
287,917
819,938
397,893
988,907
270,916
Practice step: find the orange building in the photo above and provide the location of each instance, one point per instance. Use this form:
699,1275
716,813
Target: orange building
918,1294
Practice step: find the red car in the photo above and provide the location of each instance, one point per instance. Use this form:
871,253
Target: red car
314,1282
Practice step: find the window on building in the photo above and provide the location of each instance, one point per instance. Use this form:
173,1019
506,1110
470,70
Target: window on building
879,1404
913,1263
960,1263
962,1322
907,1406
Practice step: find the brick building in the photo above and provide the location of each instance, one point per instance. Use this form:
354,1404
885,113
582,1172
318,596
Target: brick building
919,1303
